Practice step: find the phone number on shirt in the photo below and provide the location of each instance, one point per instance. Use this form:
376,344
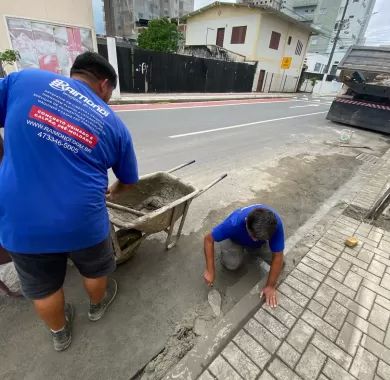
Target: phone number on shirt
60,143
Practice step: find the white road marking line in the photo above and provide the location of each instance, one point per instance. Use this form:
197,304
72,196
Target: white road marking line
205,106
244,125
306,105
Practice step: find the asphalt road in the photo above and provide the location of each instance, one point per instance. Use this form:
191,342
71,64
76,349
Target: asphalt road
217,134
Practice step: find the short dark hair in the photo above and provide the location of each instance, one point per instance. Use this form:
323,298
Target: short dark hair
95,64
261,223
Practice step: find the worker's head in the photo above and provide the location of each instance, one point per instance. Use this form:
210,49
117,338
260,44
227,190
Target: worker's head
261,224
95,70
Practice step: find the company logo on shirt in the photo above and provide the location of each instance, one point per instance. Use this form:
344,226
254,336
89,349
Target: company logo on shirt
60,85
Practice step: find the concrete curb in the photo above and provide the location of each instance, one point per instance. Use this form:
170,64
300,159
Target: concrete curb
163,99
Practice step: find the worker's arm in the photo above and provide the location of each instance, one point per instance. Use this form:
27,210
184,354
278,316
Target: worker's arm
116,189
209,273
269,291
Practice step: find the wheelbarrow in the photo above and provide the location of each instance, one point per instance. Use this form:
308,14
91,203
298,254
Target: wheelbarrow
153,205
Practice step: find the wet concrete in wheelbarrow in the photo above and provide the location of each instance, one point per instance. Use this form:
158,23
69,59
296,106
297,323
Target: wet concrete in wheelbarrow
161,293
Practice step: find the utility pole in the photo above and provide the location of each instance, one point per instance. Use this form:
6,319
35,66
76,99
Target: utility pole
336,38
110,18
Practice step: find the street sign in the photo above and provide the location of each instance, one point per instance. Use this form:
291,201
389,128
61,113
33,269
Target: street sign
286,63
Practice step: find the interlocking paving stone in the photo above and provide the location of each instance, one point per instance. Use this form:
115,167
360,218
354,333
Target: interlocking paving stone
317,308
300,286
365,274
332,350
319,324
366,240
266,376
315,265
325,294
379,316
297,297
377,268
366,327
288,354
328,256
282,315
336,314
386,281
308,280
364,364
240,362
382,260
336,275
376,288
377,251
300,335
364,230
348,292
342,266
292,307
206,376
310,272
384,246
320,259
311,363
354,260
383,302
330,243
262,335
327,248
271,324
365,297
252,348
281,371
383,370
349,338
366,255
353,280
334,372
352,305
222,370
375,235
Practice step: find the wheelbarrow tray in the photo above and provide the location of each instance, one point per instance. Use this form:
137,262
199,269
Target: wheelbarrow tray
161,196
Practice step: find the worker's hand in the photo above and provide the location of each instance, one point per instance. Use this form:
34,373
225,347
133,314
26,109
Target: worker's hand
269,293
209,278
110,195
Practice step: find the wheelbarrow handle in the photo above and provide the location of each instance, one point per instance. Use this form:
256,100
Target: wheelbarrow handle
124,208
181,166
219,179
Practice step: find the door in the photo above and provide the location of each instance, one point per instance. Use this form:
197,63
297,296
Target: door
261,81
220,37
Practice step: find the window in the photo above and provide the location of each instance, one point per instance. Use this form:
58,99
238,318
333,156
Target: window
289,40
323,11
299,48
274,42
317,67
238,35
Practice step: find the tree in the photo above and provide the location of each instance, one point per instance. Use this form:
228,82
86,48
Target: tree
8,57
161,35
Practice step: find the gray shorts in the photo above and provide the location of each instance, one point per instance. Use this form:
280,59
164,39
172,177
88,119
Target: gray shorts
232,254
43,274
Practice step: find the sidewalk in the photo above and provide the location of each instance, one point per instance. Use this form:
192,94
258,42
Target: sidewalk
333,317
129,98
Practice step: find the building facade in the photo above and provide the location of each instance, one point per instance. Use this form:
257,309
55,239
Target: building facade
123,17
325,16
48,34
276,41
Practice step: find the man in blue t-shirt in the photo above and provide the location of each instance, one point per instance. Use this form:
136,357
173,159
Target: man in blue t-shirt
248,230
60,138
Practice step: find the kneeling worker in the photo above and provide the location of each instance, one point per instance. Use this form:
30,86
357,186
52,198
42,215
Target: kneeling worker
247,230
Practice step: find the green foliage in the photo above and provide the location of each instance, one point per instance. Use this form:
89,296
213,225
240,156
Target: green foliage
9,56
161,35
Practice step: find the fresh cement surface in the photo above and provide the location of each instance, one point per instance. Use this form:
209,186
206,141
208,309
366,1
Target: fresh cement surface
284,154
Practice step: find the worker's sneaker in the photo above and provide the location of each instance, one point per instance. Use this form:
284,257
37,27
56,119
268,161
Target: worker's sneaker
97,311
63,338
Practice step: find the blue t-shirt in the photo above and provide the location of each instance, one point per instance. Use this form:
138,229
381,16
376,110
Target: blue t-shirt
59,140
234,228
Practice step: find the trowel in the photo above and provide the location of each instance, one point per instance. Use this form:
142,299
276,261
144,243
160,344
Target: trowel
215,301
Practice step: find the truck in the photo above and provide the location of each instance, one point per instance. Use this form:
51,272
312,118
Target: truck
364,99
